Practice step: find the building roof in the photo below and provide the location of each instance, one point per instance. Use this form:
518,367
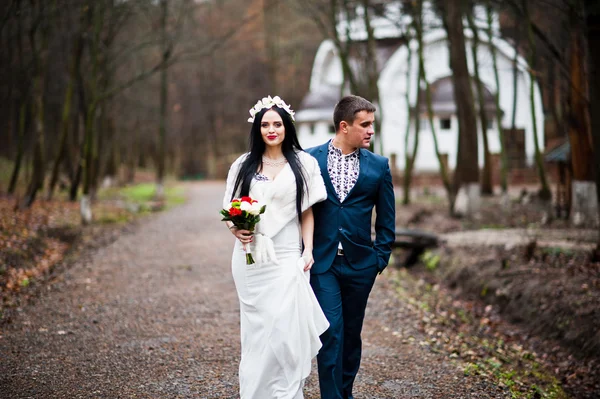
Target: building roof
318,105
325,98
442,98
384,49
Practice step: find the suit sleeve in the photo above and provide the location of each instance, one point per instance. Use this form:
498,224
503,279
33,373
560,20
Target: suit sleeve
385,221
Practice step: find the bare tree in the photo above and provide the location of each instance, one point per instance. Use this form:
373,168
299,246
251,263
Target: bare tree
74,66
591,14
418,27
166,52
579,128
486,174
40,26
544,192
23,85
466,175
502,139
409,157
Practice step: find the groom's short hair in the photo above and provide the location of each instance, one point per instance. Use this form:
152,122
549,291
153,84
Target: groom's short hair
347,107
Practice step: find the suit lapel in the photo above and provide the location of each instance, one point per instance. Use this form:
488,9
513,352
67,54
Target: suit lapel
322,159
362,170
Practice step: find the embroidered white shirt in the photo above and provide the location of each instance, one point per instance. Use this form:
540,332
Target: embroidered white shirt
343,170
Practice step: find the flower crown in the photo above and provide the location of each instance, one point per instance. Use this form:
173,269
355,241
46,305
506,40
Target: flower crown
268,102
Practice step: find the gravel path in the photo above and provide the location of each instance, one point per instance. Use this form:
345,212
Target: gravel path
155,315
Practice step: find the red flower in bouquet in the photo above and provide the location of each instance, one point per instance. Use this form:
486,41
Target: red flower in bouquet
244,213
234,211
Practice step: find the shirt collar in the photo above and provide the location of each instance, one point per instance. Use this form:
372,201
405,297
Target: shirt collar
339,152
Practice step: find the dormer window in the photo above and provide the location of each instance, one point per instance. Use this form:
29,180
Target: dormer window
445,124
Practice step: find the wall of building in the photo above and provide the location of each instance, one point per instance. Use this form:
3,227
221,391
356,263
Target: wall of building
314,127
395,114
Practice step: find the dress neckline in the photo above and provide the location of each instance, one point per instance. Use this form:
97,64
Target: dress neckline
266,178
260,177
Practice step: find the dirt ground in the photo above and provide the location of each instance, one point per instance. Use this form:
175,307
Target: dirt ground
154,314
532,272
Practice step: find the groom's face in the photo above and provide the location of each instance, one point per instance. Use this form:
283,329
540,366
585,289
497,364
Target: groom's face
360,132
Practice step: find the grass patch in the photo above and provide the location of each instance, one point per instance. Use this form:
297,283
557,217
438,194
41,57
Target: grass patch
143,195
111,215
145,192
555,251
431,260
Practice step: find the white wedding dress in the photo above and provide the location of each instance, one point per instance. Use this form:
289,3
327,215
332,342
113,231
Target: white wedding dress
280,318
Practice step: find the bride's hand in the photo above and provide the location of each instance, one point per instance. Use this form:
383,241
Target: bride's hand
307,256
245,236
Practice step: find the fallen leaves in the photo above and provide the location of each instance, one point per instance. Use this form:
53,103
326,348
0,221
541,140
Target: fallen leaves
26,249
467,332
33,241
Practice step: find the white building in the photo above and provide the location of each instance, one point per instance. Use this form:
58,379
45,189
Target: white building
314,117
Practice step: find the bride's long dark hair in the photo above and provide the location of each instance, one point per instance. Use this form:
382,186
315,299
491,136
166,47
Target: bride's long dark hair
253,162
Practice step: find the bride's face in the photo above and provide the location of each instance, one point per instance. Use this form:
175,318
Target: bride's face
272,129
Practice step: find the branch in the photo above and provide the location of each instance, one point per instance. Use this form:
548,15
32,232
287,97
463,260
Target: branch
175,58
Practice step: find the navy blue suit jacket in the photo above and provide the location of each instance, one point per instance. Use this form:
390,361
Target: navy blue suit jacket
349,222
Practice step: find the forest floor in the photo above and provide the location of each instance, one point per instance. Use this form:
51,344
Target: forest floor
529,279
147,308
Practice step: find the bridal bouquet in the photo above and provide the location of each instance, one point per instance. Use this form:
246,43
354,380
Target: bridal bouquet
244,213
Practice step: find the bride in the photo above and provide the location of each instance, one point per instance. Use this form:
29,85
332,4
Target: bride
280,317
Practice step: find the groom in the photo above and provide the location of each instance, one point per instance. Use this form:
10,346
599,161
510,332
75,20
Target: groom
346,259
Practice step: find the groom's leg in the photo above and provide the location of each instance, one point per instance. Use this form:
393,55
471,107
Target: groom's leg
355,286
329,359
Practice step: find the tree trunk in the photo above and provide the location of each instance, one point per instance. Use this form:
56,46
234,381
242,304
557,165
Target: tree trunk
373,74
23,83
37,176
76,181
407,158
544,193
38,92
410,158
20,151
111,157
88,149
160,173
584,207
78,166
486,175
91,108
132,155
342,46
62,143
418,25
97,151
503,158
467,168
515,71
592,15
